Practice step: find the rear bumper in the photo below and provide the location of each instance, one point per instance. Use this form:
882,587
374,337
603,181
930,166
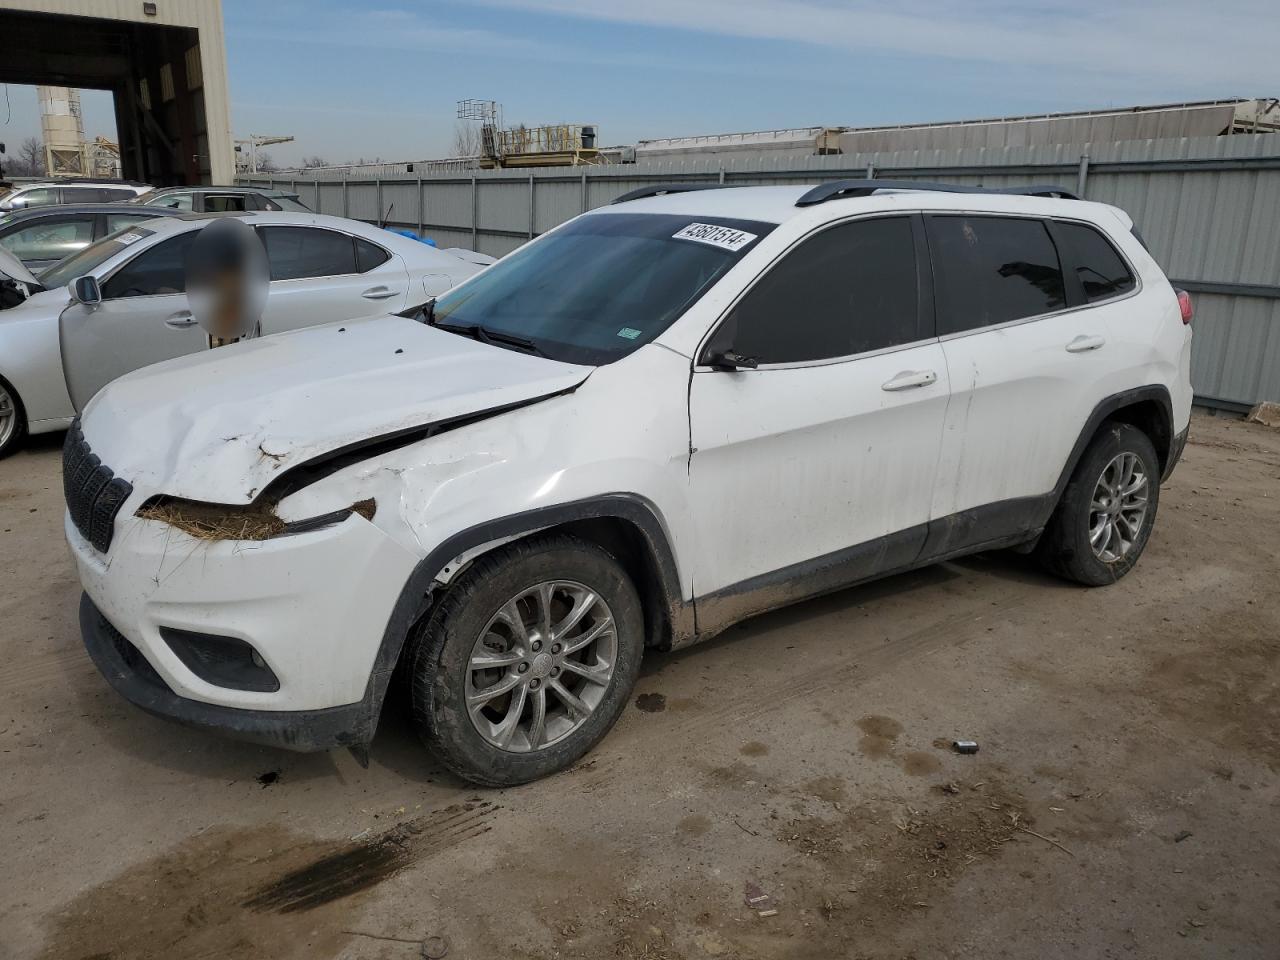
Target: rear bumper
1175,453
127,670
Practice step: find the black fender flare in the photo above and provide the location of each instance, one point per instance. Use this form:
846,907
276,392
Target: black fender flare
416,594
1106,409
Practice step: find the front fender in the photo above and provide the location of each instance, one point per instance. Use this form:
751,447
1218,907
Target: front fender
31,362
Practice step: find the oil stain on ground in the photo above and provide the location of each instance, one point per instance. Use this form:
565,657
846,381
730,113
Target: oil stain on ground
878,736
245,894
651,702
918,763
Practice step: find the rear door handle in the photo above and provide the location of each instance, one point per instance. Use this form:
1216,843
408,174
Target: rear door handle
180,320
1084,343
909,379
378,293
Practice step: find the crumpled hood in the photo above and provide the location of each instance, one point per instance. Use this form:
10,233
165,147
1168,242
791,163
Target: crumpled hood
220,425
15,269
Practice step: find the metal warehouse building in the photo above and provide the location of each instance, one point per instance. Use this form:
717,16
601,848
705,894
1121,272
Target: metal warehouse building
1207,118
164,63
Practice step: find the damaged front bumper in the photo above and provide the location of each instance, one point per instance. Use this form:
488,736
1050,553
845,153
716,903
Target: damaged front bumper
165,617
129,673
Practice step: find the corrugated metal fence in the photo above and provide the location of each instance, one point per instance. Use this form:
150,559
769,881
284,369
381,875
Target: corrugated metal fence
1208,207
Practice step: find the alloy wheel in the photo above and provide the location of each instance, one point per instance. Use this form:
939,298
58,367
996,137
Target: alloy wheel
541,666
1118,507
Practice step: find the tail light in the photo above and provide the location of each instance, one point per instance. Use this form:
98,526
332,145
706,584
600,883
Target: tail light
1184,304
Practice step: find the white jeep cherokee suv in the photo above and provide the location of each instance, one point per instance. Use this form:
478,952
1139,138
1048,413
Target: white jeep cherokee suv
661,417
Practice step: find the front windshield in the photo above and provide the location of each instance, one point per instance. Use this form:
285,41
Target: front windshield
147,197
91,257
603,285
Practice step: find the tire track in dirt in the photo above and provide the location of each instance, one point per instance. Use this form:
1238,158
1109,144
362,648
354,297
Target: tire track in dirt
367,864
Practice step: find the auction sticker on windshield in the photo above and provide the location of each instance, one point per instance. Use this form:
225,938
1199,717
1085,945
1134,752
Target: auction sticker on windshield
726,238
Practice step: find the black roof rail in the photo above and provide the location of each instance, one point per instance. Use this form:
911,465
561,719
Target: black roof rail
658,189
96,181
838,189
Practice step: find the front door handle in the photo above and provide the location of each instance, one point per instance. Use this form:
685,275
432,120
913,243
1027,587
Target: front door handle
1084,343
908,379
378,293
180,320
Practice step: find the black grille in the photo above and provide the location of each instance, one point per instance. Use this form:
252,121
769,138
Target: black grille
94,494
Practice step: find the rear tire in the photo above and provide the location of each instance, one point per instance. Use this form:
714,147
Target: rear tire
1104,519
554,625
13,420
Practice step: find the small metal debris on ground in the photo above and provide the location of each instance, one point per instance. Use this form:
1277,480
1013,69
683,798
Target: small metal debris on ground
1181,835
964,746
758,900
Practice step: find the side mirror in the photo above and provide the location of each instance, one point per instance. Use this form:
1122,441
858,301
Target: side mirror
85,290
729,360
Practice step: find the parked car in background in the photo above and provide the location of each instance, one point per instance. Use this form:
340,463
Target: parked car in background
658,419
69,190
221,199
56,351
41,236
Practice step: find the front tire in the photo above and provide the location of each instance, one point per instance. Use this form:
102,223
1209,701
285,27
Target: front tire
1105,517
528,660
13,420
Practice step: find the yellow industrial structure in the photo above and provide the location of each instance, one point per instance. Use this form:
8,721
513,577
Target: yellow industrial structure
550,145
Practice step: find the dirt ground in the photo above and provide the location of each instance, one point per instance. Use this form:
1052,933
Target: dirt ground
1125,801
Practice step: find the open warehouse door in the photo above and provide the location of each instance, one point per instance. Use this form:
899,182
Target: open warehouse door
164,63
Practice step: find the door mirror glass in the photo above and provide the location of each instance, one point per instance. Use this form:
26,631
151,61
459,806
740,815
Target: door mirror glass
85,290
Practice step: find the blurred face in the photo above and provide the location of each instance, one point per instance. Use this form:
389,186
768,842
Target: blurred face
227,279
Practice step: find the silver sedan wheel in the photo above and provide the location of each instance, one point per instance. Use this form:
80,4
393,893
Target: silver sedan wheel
1118,508
8,416
541,666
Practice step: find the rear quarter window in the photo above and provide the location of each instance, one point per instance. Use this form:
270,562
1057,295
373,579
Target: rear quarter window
1102,271
369,255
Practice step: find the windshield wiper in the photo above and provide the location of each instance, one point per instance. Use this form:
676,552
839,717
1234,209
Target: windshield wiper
477,331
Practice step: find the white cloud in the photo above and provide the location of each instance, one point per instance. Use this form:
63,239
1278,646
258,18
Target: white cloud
1187,41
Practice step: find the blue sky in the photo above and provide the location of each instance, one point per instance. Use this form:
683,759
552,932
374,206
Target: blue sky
381,79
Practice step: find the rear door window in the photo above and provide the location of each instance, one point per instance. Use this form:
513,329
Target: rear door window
991,270
850,289
298,252
84,195
154,272
174,201
1102,271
